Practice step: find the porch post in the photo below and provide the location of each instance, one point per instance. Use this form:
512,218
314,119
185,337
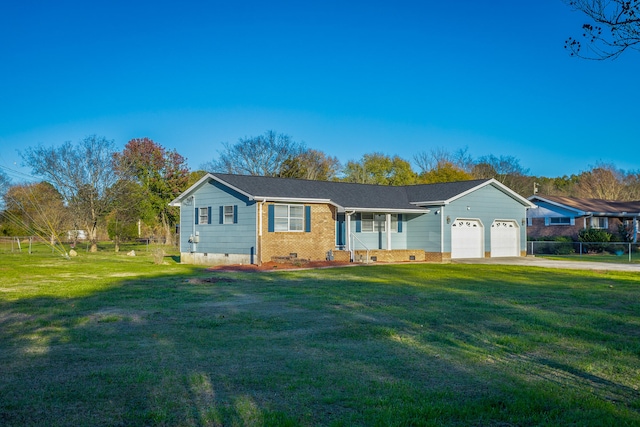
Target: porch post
347,218
388,229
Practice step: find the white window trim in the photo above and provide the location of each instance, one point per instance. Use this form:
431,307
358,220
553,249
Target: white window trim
203,215
604,227
227,217
570,221
372,223
288,217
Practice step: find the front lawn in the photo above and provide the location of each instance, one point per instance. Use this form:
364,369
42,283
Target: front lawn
106,339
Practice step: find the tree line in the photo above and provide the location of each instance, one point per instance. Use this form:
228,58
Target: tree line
122,195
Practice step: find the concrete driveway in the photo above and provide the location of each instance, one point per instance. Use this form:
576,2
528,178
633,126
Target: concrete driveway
531,261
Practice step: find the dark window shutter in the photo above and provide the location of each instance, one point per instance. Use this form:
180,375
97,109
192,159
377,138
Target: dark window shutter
271,221
197,216
235,214
399,223
358,223
209,215
307,219
221,215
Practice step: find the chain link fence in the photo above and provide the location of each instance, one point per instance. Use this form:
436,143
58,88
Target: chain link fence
35,244
625,251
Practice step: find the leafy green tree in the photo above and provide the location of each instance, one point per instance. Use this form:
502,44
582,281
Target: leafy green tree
378,168
83,174
162,175
614,27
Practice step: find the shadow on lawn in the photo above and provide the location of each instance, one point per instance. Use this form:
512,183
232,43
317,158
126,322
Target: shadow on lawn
385,347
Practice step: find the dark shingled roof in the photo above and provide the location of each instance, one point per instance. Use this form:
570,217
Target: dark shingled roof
348,195
593,205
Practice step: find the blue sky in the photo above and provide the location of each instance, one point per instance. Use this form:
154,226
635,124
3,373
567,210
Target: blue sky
345,77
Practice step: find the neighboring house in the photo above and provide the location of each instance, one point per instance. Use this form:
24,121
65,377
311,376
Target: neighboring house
229,219
566,216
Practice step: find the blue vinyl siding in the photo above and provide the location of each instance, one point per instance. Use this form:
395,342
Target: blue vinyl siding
423,231
215,237
378,240
486,204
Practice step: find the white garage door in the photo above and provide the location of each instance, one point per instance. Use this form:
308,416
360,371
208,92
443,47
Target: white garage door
505,238
467,239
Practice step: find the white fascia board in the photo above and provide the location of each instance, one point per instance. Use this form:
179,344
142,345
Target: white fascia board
387,210
178,200
431,203
292,199
501,187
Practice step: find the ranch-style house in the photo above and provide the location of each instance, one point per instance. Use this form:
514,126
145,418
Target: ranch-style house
240,219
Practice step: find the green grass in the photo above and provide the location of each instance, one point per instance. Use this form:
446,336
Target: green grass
106,339
608,258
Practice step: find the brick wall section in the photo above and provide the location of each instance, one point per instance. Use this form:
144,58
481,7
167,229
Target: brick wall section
538,229
438,257
396,255
313,245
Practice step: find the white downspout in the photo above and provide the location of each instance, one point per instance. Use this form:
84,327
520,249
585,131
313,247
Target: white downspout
387,227
259,237
442,230
347,218
194,245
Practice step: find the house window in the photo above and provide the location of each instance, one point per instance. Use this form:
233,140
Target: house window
377,223
227,215
599,222
560,221
288,218
203,215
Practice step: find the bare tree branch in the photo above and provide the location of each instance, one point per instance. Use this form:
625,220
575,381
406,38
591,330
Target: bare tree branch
615,28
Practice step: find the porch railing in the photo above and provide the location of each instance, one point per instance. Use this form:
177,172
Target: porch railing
352,247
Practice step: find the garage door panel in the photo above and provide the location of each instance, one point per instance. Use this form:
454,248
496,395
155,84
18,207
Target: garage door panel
505,238
467,239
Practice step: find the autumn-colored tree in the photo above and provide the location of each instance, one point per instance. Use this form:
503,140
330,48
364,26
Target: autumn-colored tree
444,172
310,164
378,168
162,174
613,27
603,181
37,209
83,174
505,169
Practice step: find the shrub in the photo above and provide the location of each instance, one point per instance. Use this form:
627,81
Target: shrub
597,236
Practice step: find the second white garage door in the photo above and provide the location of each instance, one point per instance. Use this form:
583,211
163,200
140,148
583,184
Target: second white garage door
505,238
467,239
